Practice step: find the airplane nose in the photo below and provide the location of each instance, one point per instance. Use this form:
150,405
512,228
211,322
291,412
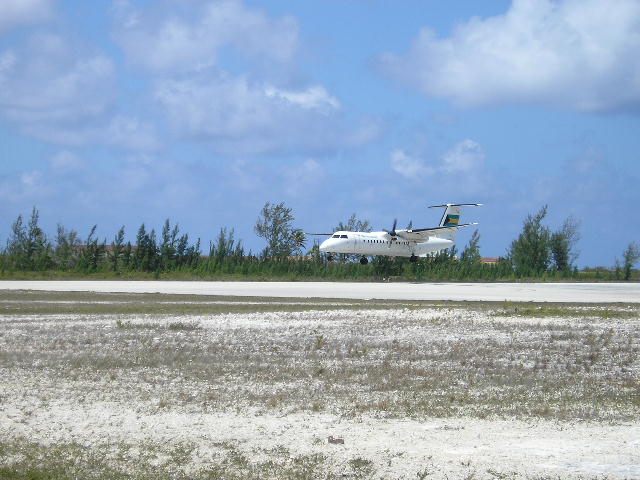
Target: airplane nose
324,245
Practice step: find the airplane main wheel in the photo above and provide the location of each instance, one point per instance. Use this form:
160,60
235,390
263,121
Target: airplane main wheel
413,259
329,258
364,260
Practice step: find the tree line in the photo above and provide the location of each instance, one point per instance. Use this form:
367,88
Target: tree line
537,253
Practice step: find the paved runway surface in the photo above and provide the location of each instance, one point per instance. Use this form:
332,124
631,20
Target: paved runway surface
516,292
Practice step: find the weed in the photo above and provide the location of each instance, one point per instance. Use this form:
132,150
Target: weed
361,467
184,326
422,474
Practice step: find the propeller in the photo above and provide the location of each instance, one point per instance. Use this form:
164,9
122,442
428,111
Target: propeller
392,232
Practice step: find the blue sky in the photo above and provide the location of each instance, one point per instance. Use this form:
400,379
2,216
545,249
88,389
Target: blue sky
123,112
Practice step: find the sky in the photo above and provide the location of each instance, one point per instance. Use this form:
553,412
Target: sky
121,112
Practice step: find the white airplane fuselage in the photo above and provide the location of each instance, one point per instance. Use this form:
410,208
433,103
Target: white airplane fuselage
381,243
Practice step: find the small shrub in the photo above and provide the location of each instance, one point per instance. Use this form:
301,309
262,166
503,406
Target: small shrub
184,326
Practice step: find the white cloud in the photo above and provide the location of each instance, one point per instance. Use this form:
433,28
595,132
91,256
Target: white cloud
14,13
460,167
48,82
189,37
312,98
63,94
465,157
225,73
409,167
580,54
142,181
237,116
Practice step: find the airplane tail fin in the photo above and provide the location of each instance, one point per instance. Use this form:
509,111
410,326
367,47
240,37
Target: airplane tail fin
451,218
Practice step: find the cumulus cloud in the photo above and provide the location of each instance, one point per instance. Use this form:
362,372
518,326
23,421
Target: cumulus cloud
580,54
62,94
238,116
408,166
143,181
24,12
225,73
465,158
189,37
47,82
460,170
312,98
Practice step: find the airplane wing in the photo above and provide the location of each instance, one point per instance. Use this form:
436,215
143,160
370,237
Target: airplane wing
423,234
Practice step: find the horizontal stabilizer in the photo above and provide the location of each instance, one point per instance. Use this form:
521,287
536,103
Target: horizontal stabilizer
456,205
435,229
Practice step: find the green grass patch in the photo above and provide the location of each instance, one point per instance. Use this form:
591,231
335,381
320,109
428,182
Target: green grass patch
30,461
566,311
22,302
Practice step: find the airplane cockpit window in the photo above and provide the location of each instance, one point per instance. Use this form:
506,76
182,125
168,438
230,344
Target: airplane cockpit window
336,236
343,236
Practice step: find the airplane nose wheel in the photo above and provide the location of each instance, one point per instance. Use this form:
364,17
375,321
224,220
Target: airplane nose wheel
413,259
329,258
364,261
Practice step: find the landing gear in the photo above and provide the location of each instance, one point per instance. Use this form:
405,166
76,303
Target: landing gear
413,259
329,258
364,261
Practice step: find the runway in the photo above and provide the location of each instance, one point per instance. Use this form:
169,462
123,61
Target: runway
496,292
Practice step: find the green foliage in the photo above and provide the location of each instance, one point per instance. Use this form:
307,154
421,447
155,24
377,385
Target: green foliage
354,224
562,244
530,253
275,225
92,254
630,256
16,246
28,247
471,253
146,254
537,253
67,250
168,247
117,249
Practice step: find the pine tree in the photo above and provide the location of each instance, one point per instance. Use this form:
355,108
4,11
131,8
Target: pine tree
471,253
562,244
67,248
117,247
139,251
530,253
630,256
17,245
92,253
168,245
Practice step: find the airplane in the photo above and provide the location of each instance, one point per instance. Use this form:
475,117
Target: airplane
412,243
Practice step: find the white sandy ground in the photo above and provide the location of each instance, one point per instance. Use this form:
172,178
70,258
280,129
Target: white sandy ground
514,292
446,448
